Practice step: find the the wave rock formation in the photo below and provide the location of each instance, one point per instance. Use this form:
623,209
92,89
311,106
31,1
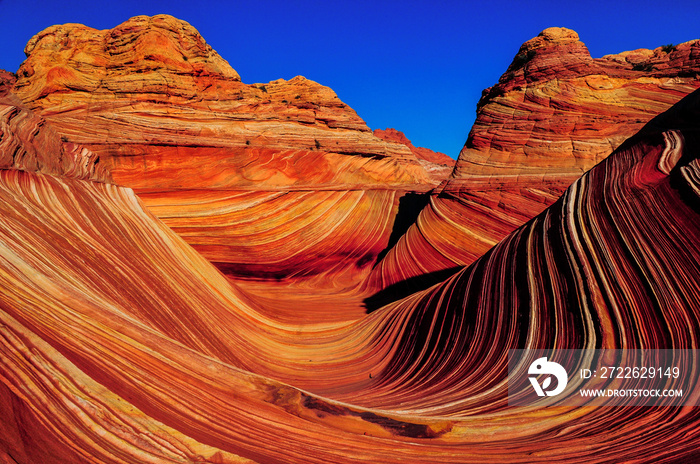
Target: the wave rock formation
147,316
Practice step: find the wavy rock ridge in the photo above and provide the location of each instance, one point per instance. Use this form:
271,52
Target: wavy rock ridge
150,97
104,306
121,343
555,113
280,176
28,143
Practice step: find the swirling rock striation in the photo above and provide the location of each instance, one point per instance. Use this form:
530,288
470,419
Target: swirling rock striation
120,343
555,113
281,176
28,143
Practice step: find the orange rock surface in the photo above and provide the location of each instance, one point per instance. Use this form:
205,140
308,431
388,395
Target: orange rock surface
170,298
120,343
439,165
282,176
151,95
555,113
7,80
28,143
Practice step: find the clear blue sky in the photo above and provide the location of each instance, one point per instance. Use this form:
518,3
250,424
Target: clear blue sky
417,66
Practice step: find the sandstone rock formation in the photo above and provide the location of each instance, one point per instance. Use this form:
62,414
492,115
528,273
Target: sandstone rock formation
558,111
7,80
214,312
282,178
439,165
151,97
120,343
28,143
393,135
555,113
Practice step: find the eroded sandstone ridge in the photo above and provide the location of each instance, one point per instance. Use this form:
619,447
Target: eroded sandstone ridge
555,113
280,179
28,143
121,341
438,165
153,99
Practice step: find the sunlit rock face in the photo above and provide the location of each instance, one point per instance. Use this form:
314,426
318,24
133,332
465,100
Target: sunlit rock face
438,165
152,99
555,113
27,142
7,80
171,293
119,342
281,180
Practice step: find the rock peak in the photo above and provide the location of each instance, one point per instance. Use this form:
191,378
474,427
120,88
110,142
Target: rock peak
556,51
553,38
556,104
559,35
152,87
69,55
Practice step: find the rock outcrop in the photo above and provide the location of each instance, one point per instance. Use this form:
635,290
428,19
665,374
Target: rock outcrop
282,178
393,135
555,113
152,99
438,165
7,80
120,343
28,143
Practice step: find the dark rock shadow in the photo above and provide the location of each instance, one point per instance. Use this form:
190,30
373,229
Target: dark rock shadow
410,206
407,287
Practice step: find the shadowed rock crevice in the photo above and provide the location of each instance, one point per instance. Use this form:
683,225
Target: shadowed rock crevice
400,290
410,206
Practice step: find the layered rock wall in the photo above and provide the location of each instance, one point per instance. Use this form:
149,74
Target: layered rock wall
555,113
151,89
120,343
28,143
221,161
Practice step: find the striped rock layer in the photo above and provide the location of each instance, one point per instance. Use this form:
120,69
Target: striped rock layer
121,343
121,340
152,99
555,113
29,143
438,165
280,180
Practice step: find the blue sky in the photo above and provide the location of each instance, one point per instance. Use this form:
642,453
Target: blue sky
417,66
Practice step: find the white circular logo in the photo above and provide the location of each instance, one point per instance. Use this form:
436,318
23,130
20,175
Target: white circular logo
549,368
